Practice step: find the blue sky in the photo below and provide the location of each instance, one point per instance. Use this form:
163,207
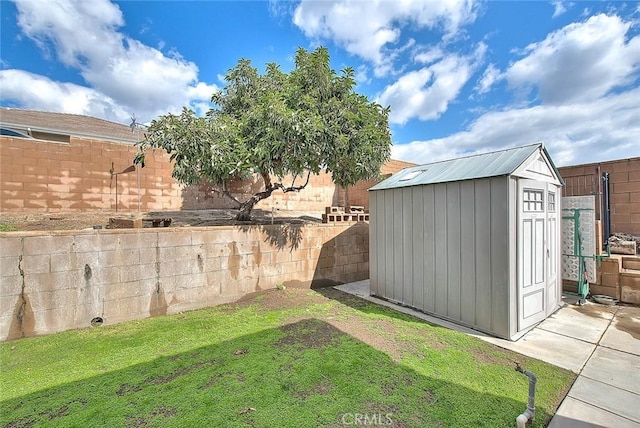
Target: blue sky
461,76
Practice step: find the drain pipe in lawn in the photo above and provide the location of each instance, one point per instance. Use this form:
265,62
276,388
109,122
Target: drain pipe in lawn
528,414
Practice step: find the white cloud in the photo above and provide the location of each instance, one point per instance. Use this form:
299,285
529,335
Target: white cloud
427,92
590,131
30,89
84,35
362,74
367,28
429,56
490,76
580,62
559,8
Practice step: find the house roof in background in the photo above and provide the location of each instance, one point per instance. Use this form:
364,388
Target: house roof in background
392,166
67,124
485,165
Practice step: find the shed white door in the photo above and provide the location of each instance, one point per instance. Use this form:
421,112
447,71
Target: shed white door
553,259
532,252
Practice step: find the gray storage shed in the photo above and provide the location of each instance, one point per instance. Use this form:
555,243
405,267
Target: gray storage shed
475,240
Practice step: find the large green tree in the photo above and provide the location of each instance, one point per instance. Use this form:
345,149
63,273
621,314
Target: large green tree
276,125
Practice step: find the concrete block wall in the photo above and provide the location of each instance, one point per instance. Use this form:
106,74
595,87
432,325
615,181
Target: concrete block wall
51,282
624,176
358,194
41,175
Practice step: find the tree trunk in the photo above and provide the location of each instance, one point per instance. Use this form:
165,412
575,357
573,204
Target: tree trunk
244,214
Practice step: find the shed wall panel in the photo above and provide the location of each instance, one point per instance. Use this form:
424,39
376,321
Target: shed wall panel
441,250
430,249
374,221
467,253
453,250
407,245
418,242
396,243
483,254
388,253
500,257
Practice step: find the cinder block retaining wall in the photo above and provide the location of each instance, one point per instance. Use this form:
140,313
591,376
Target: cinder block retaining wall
56,281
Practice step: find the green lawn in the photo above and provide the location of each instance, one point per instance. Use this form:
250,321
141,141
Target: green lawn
292,358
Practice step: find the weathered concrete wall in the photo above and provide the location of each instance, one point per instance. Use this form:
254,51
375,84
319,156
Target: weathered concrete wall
51,282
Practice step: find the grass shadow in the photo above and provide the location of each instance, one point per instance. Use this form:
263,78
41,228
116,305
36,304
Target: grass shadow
304,374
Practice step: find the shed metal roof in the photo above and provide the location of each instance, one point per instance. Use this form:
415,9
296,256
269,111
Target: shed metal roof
485,165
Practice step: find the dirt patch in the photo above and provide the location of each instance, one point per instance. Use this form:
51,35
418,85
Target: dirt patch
127,388
159,380
26,422
39,221
47,414
389,387
274,299
379,334
322,388
309,333
137,422
211,382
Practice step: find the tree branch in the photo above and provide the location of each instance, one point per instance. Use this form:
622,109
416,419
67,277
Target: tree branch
225,193
293,188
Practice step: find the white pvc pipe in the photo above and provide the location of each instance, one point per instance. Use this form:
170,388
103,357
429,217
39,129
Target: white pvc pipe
528,414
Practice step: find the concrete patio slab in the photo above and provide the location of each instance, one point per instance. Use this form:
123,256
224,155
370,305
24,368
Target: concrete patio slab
554,348
615,368
574,413
578,322
624,333
358,288
607,397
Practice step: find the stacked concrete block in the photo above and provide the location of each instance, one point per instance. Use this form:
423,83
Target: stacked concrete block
630,287
624,176
620,281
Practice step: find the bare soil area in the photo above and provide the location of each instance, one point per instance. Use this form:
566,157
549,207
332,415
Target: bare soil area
31,221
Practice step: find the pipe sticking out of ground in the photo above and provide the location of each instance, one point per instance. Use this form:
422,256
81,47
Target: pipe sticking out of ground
530,412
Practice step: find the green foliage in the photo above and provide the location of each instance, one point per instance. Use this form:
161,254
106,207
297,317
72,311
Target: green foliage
277,124
7,227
